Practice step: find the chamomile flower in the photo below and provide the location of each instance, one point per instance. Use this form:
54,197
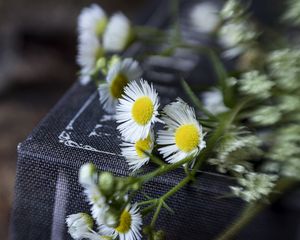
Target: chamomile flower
92,20
137,110
117,34
118,76
134,152
89,50
204,17
129,225
183,136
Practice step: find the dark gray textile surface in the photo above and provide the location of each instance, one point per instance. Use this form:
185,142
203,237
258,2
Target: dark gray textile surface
77,131
73,133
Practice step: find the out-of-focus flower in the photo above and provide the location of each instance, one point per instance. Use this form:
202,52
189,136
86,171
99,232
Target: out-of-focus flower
92,20
213,101
183,136
235,36
89,50
266,115
233,151
91,23
119,75
204,17
255,84
292,13
232,9
254,186
118,33
284,66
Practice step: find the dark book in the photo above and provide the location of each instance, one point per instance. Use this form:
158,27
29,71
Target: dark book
78,131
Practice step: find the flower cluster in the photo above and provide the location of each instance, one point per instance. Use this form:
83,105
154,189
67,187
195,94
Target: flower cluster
292,14
233,151
246,125
97,35
110,207
254,186
237,32
137,112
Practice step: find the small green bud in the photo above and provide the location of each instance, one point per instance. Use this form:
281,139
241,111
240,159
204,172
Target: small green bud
111,218
107,183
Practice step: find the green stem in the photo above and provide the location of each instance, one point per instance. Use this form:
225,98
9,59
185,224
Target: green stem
164,169
196,100
155,216
164,197
173,190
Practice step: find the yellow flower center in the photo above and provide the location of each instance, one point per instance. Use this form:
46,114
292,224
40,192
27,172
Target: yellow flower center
142,110
125,222
142,145
187,137
117,85
100,26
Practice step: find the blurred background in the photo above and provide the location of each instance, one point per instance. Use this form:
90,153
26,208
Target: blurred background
37,65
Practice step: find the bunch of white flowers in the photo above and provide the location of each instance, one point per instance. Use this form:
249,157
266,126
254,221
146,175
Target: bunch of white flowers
233,151
96,35
254,186
110,207
255,84
237,32
284,67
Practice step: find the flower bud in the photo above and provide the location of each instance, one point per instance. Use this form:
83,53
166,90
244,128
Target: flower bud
79,224
106,183
111,218
87,174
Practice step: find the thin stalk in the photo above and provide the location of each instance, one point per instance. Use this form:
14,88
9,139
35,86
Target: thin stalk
155,216
196,100
164,169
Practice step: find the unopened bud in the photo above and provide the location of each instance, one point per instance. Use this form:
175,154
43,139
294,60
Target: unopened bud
111,218
87,174
107,183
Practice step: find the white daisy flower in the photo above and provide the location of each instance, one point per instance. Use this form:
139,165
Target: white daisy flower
79,224
117,34
137,110
204,16
118,76
134,152
129,225
89,50
92,20
183,136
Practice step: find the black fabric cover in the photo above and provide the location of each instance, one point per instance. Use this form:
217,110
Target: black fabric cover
77,131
